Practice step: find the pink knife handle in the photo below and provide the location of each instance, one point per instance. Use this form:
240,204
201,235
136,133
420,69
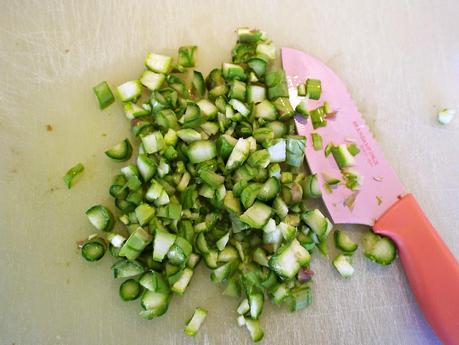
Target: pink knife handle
431,268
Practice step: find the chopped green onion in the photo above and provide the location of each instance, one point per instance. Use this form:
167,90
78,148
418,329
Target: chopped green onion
72,175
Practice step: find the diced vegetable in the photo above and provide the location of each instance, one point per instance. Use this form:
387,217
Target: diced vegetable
104,94
295,150
378,249
201,151
158,63
129,91
342,156
130,290
316,141
239,154
101,217
445,116
343,265
126,269
278,151
120,152
162,243
344,243
72,175
257,215
313,88
288,259
219,175
193,324
186,56
93,249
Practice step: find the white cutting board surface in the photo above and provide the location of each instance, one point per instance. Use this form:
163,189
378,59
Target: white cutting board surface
400,60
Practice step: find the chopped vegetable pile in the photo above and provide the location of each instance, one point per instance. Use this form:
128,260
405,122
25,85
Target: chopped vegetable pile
219,176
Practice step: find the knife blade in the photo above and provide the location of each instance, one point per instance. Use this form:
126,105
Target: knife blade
380,186
431,269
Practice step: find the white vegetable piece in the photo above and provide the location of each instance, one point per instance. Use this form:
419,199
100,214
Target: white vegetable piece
445,116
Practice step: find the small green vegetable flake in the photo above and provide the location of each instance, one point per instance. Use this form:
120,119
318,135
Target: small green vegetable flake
71,176
316,141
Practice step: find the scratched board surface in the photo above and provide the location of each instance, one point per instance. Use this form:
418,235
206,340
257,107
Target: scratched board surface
400,61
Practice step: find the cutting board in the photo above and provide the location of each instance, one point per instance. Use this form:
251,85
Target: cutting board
400,61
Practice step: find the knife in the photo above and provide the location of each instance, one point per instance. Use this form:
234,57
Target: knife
382,202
